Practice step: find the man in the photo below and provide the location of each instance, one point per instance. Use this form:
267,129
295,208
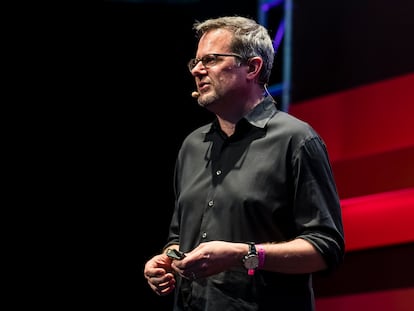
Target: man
257,210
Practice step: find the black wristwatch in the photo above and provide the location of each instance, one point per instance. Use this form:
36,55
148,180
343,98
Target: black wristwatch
251,260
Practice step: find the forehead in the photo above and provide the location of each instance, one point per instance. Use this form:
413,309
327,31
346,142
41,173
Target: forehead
215,41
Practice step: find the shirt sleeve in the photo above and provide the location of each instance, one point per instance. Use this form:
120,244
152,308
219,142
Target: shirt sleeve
316,202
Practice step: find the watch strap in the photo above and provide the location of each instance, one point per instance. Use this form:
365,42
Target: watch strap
252,248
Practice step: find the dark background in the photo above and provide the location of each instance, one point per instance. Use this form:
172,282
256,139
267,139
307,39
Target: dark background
147,108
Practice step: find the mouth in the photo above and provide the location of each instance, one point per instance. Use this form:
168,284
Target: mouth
203,87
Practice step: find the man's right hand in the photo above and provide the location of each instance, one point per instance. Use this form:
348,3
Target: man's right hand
159,274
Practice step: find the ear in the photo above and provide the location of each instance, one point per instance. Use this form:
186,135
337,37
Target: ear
254,65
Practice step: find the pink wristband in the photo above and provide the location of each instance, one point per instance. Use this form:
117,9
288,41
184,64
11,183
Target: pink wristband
261,255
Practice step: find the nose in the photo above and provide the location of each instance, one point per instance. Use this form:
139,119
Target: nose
198,69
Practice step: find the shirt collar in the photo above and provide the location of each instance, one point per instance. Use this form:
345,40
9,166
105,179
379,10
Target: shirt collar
260,115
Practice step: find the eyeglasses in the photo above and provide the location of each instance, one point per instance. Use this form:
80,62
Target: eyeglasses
209,60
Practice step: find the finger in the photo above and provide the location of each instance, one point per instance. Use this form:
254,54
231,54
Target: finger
162,288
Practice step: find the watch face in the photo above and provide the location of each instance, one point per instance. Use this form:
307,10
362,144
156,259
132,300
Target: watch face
251,262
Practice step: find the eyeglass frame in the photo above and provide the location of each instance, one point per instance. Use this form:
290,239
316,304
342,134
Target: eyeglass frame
192,63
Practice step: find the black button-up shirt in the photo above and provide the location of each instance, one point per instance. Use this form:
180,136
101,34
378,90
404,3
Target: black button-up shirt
271,181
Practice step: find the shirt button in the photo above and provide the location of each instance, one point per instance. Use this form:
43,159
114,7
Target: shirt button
211,203
218,172
204,235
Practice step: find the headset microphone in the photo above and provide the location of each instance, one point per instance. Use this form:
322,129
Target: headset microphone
195,94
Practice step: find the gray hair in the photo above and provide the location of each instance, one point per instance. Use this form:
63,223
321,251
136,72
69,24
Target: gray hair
249,39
